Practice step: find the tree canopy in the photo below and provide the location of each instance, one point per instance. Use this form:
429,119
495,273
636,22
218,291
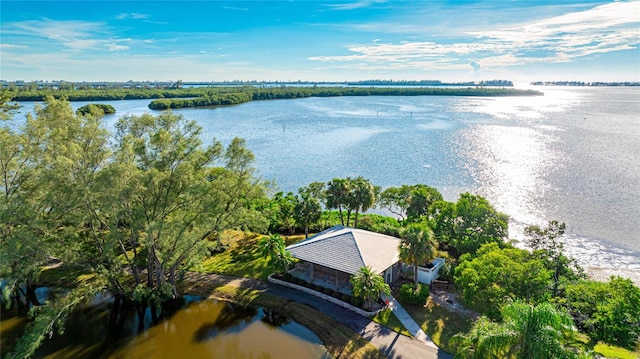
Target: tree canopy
525,332
133,216
497,275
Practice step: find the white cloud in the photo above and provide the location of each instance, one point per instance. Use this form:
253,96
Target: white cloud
13,46
235,8
355,5
605,28
134,16
114,47
65,31
74,35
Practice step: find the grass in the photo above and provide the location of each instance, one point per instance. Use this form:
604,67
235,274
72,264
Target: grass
439,323
63,276
242,257
338,340
610,351
389,320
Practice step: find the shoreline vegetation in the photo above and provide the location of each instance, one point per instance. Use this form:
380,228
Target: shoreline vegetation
176,98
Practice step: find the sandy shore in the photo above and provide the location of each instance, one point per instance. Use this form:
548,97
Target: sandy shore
603,274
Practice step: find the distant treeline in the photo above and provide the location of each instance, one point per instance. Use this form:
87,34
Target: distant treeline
581,83
111,94
84,85
256,94
220,96
504,83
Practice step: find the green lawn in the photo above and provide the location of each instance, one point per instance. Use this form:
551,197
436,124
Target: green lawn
242,257
389,320
609,351
439,323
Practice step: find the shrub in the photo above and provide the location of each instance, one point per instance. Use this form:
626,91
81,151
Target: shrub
447,271
358,302
287,277
409,294
344,298
327,291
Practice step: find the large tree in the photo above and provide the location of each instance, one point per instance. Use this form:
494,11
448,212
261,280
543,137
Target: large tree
409,200
417,246
50,176
547,244
526,332
234,193
464,226
163,189
497,275
284,212
132,217
607,311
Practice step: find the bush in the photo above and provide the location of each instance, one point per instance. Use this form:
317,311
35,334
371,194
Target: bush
287,277
327,291
447,271
358,302
409,294
345,298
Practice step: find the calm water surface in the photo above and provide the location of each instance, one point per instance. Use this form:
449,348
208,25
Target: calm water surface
570,155
202,329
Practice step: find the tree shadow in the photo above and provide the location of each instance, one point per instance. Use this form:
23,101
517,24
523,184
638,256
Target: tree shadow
233,318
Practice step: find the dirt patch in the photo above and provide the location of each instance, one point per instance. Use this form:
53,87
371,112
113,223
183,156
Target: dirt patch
449,300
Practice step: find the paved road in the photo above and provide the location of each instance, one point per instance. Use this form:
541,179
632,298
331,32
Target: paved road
392,344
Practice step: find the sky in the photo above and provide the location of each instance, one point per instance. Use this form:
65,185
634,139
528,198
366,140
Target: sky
347,40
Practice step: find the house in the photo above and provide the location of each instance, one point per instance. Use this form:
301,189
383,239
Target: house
337,253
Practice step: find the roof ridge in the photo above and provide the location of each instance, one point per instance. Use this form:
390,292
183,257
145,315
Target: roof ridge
359,250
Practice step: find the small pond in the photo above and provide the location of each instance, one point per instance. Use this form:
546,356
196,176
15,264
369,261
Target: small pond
197,329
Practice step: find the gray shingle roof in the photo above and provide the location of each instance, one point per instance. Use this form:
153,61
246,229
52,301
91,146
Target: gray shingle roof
347,249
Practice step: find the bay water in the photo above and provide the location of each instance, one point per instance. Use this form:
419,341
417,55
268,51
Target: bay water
572,155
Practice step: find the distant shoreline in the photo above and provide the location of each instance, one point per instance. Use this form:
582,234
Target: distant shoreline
582,83
176,98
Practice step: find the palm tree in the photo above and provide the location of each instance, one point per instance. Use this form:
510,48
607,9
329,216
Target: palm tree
336,195
363,196
274,247
417,245
368,285
307,210
526,332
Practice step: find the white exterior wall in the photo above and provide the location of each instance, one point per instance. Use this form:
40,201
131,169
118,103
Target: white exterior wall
428,275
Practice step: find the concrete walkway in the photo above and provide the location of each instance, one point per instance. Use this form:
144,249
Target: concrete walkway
408,322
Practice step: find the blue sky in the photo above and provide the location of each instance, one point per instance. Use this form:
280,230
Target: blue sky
320,40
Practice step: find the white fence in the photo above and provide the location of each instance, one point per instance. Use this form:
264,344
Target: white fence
428,275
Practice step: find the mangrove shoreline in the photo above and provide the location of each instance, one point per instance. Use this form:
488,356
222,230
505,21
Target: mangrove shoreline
164,99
